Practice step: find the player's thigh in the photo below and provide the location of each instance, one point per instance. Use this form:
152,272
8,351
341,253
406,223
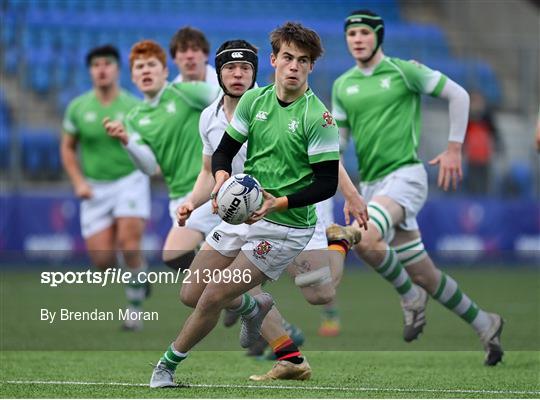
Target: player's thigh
396,211
180,240
129,232
101,247
203,266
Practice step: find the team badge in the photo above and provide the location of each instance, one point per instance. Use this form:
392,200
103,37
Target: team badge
293,125
328,119
262,249
385,83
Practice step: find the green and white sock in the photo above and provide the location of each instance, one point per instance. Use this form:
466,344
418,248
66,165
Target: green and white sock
248,307
451,296
171,358
135,289
392,270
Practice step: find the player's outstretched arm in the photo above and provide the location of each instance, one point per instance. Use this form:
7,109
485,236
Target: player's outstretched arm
141,154
449,161
68,153
354,202
200,194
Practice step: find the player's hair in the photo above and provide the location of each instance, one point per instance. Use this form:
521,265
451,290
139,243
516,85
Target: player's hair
187,37
107,50
294,33
147,49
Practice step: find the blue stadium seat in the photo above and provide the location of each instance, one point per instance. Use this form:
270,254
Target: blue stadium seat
4,146
11,59
9,29
520,180
40,152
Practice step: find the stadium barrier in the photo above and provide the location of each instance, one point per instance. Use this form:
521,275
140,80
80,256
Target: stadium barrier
37,227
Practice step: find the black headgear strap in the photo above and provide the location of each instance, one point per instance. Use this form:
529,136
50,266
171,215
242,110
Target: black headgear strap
240,53
369,19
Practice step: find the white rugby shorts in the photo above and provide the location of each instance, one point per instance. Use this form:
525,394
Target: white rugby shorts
407,186
128,196
270,247
201,219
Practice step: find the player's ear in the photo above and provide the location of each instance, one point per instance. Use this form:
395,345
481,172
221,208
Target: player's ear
166,72
272,60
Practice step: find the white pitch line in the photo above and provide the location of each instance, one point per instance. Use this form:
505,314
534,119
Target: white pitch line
329,388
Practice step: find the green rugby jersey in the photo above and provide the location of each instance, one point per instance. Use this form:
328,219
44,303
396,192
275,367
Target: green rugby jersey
382,112
102,157
169,125
282,143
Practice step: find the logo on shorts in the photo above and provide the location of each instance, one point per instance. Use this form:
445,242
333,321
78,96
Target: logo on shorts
328,119
262,249
216,236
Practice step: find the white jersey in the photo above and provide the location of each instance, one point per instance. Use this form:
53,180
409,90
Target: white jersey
211,76
212,125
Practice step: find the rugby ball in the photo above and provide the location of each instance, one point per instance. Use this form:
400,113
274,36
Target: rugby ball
238,198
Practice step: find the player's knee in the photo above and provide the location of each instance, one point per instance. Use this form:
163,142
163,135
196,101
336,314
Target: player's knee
103,260
188,297
317,285
380,228
212,299
128,241
369,240
320,296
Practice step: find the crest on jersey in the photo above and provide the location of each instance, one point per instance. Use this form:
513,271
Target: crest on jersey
385,83
171,107
262,249
328,119
293,125
90,116
352,90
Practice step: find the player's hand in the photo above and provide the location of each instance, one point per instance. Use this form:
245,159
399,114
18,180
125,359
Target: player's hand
83,190
183,212
356,206
116,129
221,177
270,204
449,162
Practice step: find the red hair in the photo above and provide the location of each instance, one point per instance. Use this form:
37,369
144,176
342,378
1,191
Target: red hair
147,49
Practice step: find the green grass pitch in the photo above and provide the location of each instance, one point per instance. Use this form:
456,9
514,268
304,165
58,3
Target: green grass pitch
369,359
